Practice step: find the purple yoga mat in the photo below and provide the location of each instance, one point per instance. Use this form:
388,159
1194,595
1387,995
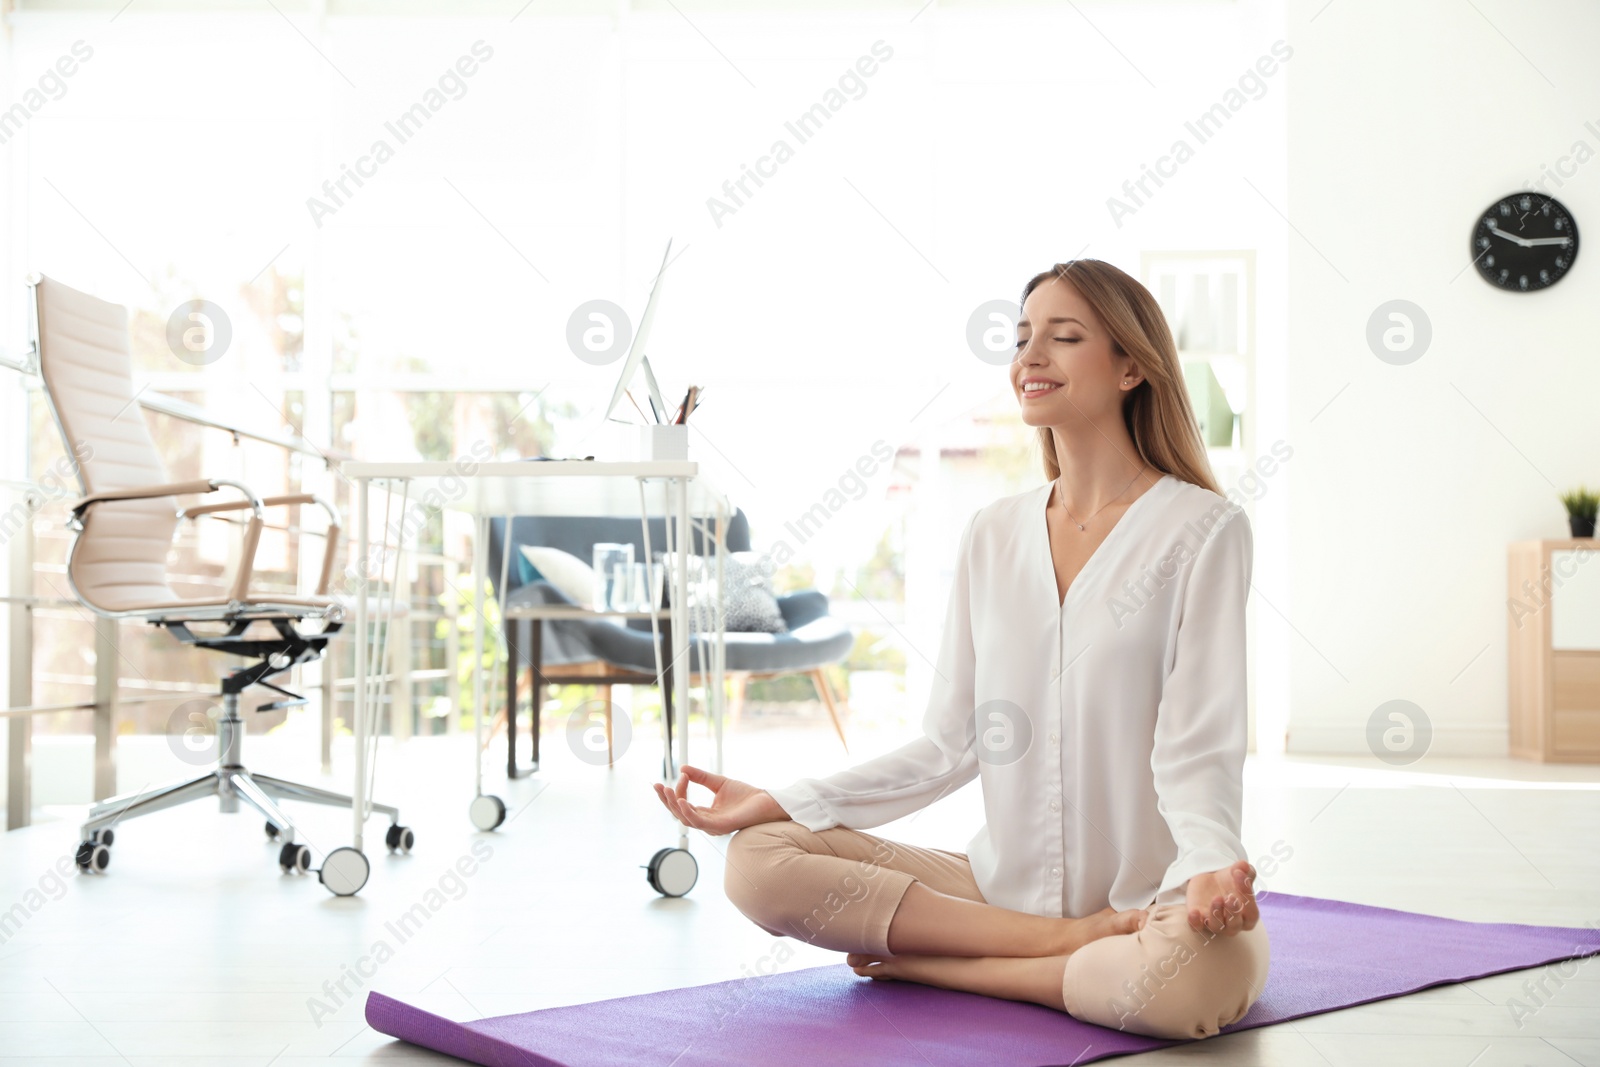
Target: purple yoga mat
1326,954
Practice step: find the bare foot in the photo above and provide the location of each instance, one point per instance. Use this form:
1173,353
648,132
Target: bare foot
1075,933
1036,979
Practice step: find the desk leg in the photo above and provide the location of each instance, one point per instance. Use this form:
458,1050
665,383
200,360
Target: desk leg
687,631
669,771
683,636
720,648
359,713
487,812
536,686
480,567
511,627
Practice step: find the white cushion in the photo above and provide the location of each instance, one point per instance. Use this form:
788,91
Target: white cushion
566,572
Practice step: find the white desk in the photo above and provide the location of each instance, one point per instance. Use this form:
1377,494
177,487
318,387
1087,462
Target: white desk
673,490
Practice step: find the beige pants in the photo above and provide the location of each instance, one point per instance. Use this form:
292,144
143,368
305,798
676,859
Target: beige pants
839,889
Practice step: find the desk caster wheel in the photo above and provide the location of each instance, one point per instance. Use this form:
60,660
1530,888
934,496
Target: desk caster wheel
274,833
93,857
399,839
487,812
672,872
344,871
104,837
294,859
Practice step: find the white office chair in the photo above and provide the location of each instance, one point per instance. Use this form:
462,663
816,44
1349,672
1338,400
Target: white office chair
117,566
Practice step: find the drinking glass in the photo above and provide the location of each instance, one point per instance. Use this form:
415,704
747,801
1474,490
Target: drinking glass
608,556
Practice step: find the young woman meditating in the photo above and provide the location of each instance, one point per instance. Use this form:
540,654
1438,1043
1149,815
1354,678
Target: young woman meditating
1092,675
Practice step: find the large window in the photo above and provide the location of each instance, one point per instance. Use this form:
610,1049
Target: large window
399,215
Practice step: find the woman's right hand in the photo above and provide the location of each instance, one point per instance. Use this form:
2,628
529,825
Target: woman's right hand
734,804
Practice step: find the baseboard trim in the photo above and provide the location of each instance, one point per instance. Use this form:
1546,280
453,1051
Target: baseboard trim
1343,738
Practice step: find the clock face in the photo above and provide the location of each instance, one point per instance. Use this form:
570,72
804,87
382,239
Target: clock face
1524,241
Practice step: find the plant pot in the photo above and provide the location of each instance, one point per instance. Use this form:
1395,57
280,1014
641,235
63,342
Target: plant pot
1582,525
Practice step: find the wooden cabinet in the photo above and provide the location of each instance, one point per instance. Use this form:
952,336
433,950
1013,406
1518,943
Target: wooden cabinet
1553,641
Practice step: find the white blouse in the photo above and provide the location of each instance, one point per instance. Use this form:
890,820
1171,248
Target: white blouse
1108,730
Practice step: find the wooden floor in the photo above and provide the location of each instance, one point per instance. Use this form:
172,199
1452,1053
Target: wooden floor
194,950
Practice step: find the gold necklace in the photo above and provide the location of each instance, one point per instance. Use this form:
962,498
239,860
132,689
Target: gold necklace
1099,509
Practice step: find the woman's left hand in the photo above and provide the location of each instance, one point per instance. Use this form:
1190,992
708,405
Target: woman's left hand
1224,901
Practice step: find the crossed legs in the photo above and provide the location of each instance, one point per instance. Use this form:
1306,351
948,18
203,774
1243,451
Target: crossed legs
915,914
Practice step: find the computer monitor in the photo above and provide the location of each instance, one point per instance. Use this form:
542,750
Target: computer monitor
630,366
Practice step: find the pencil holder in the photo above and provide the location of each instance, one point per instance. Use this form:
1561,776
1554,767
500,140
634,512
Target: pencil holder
658,441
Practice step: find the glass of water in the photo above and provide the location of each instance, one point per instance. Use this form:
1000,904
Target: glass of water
609,560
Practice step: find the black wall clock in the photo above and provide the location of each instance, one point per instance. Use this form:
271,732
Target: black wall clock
1524,241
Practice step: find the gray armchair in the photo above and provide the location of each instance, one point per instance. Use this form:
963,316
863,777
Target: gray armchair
605,652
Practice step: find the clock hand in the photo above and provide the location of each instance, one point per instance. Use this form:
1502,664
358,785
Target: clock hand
1498,232
1549,241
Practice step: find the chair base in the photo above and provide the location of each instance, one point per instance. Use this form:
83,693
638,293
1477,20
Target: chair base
229,782
229,785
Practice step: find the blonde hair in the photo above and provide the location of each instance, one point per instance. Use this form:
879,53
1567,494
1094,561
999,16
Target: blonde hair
1156,411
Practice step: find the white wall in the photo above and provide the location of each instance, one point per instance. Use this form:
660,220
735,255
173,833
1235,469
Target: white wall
1406,121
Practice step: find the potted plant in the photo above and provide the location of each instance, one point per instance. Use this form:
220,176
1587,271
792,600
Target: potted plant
1581,506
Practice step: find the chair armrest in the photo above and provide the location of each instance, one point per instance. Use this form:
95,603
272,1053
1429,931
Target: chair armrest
144,493
335,523
252,533
267,501
807,605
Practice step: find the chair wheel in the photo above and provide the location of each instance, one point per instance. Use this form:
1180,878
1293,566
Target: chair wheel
273,832
672,872
294,859
487,812
105,837
399,838
93,857
344,871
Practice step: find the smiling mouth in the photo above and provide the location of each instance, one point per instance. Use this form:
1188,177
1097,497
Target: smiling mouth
1038,389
